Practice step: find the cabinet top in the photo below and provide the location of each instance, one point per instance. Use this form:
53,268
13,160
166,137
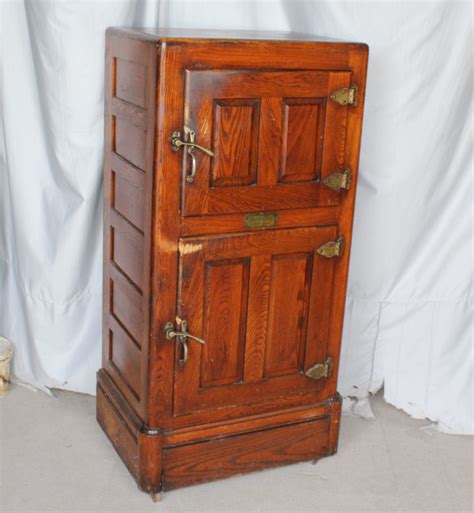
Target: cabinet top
213,35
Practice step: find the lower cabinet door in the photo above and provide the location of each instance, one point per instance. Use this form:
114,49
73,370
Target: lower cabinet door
261,301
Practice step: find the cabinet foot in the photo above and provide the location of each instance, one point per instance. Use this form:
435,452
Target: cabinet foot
156,497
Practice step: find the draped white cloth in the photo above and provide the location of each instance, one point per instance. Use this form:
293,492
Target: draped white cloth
409,317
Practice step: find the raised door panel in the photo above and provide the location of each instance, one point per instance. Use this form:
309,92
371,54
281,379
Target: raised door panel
261,301
290,283
235,138
303,136
225,311
275,136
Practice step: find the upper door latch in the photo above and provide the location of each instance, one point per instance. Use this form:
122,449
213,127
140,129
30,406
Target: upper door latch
176,143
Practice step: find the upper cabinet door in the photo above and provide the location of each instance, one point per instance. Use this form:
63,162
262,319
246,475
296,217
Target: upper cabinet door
275,136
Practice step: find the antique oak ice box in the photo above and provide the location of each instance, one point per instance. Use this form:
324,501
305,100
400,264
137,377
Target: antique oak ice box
230,169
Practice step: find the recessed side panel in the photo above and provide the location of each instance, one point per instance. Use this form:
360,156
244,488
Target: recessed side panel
125,360
124,339
127,253
131,81
128,197
130,142
126,307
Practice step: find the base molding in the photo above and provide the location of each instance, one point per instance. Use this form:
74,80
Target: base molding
239,454
140,449
164,460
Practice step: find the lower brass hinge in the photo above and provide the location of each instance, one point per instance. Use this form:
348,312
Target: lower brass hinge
339,180
346,95
332,249
320,370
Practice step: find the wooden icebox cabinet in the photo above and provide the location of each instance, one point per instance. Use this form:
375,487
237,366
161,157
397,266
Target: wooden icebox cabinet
230,170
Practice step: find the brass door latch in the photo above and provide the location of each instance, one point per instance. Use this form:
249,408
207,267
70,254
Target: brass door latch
181,334
176,143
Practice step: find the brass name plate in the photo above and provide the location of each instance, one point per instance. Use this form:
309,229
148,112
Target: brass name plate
261,220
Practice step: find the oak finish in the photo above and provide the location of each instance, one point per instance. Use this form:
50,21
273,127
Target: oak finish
267,305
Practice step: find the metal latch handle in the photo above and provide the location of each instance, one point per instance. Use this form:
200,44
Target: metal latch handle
170,332
177,143
181,336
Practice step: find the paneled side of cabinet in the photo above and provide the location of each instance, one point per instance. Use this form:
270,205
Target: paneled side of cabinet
129,156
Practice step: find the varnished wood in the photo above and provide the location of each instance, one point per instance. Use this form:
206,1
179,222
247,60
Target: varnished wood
258,422
282,104
214,290
290,285
235,140
192,464
122,437
302,141
268,306
231,223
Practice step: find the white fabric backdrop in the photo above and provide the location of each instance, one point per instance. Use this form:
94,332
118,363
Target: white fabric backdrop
409,318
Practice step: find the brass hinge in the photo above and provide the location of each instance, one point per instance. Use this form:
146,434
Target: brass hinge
320,370
339,180
346,95
333,248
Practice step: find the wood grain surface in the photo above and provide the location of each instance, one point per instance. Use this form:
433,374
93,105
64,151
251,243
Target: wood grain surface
268,306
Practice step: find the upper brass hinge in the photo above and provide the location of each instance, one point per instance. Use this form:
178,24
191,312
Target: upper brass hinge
339,180
320,370
346,95
333,248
